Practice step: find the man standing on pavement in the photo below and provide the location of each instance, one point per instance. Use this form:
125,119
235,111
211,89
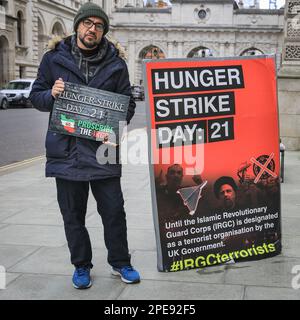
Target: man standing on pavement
86,58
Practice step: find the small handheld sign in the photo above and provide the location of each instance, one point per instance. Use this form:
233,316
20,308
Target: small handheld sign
89,113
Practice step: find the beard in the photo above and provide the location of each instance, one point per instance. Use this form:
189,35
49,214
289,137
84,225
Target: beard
228,204
91,42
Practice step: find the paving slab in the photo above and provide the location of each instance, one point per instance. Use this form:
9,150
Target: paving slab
138,239
265,293
33,235
291,227
9,278
11,185
94,221
47,287
10,255
290,210
163,290
291,246
290,188
27,203
137,207
291,198
8,212
34,189
271,272
56,261
36,216
141,221
13,181
34,251
146,263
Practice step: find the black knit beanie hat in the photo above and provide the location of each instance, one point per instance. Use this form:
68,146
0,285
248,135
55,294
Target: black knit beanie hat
90,9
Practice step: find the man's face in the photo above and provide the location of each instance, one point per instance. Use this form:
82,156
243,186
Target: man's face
174,176
227,195
90,32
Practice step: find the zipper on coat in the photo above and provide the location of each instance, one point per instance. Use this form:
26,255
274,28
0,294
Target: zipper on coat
87,72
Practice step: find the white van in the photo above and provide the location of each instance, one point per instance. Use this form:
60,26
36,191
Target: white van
17,92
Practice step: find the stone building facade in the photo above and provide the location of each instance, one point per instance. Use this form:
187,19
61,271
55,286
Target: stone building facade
186,29
194,28
289,78
189,28
25,28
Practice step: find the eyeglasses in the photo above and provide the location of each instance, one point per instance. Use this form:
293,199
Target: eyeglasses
89,23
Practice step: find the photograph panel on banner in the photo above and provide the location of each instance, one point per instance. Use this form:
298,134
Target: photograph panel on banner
214,150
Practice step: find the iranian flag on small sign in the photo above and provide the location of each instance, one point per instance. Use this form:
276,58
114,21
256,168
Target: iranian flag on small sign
68,124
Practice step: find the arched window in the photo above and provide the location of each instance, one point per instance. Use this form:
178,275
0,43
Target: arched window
149,52
3,3
252,52
58,30
200,52
152,52
20,28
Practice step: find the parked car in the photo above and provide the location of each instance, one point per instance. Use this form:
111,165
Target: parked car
3,101
17,92
138,92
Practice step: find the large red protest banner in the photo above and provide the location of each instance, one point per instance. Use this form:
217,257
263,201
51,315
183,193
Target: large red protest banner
214,147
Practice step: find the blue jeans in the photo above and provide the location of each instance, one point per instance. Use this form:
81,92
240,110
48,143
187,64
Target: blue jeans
72,198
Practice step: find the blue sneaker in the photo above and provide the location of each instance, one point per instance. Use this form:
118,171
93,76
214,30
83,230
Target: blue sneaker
127,274
81,278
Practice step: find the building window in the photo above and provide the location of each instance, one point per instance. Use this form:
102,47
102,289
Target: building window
3,3
200,52
202,14
20,28
251,52
58,30
152,52
22,72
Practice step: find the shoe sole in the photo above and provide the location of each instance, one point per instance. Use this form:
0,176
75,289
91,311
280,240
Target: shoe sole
82,288
117,274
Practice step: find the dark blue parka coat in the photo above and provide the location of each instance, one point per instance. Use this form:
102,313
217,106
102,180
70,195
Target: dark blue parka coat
70,157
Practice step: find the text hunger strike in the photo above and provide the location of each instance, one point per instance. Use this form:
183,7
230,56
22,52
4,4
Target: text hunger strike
209,78
193,106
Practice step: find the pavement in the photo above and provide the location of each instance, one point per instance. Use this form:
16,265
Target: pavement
34,251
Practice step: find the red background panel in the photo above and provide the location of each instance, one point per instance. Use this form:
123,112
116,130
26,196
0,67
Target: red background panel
256,129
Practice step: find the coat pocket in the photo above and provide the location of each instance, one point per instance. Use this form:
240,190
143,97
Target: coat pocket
57,145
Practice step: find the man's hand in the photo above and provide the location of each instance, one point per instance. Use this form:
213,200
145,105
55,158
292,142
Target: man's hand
58,88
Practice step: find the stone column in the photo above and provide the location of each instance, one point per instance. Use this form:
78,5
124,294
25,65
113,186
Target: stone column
170,50
180,50
131,61
33,40
8,55
108,7
10,8
231,49
222,50
289,78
